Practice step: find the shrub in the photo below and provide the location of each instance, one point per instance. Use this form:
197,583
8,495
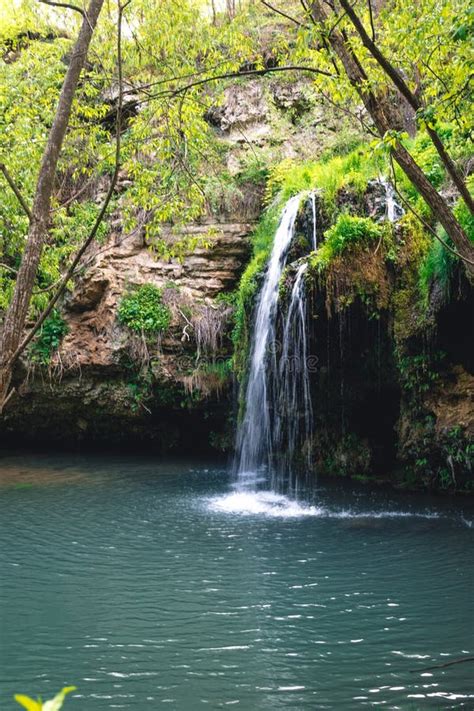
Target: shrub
51,333
143,311
350,230
345,233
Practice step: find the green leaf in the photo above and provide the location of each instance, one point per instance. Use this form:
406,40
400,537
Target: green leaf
28,703
56,703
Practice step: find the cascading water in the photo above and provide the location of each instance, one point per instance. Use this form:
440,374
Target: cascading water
294,412
275,434
255,437
393,210
278,410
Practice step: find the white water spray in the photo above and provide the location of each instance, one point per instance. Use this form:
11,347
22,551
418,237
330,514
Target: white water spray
393,210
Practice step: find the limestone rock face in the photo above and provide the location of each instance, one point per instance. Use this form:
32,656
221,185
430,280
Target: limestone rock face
95,339
108,385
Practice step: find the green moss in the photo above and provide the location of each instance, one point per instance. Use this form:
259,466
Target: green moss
142,310
410,313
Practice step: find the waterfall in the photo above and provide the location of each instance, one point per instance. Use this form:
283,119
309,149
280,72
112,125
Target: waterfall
278,411
294,412
393,210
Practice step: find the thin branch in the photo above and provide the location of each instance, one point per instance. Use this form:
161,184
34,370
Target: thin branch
47,288
216,77
283,14
442,666
66,5
339,19
422,220
371,16
16,190
75,195
436,76
348,112
170,93
9,269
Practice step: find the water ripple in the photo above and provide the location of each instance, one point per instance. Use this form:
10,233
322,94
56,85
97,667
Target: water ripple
147,583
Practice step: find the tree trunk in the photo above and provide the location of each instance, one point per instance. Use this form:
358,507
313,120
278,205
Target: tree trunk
17,312
381,113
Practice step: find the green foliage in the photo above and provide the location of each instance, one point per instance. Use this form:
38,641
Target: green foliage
436,267
344,142
348,456
48,339
221,369
140,390
463,214
52,705
227,298
441,460
262,241
419,372
344,234
328,176
143,311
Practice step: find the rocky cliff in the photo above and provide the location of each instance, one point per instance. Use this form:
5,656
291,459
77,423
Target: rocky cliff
107,384
394,386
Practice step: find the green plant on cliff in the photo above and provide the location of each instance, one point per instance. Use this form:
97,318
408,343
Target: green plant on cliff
437,267
419,372
441,460
48,340
347,232
143,311
328,176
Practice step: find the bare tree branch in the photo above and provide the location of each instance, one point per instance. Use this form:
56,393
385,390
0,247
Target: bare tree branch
371,17
282,13
9,269
442,666
66,5
16,190
170,93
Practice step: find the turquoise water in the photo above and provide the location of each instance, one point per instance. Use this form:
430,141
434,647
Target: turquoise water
152,583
